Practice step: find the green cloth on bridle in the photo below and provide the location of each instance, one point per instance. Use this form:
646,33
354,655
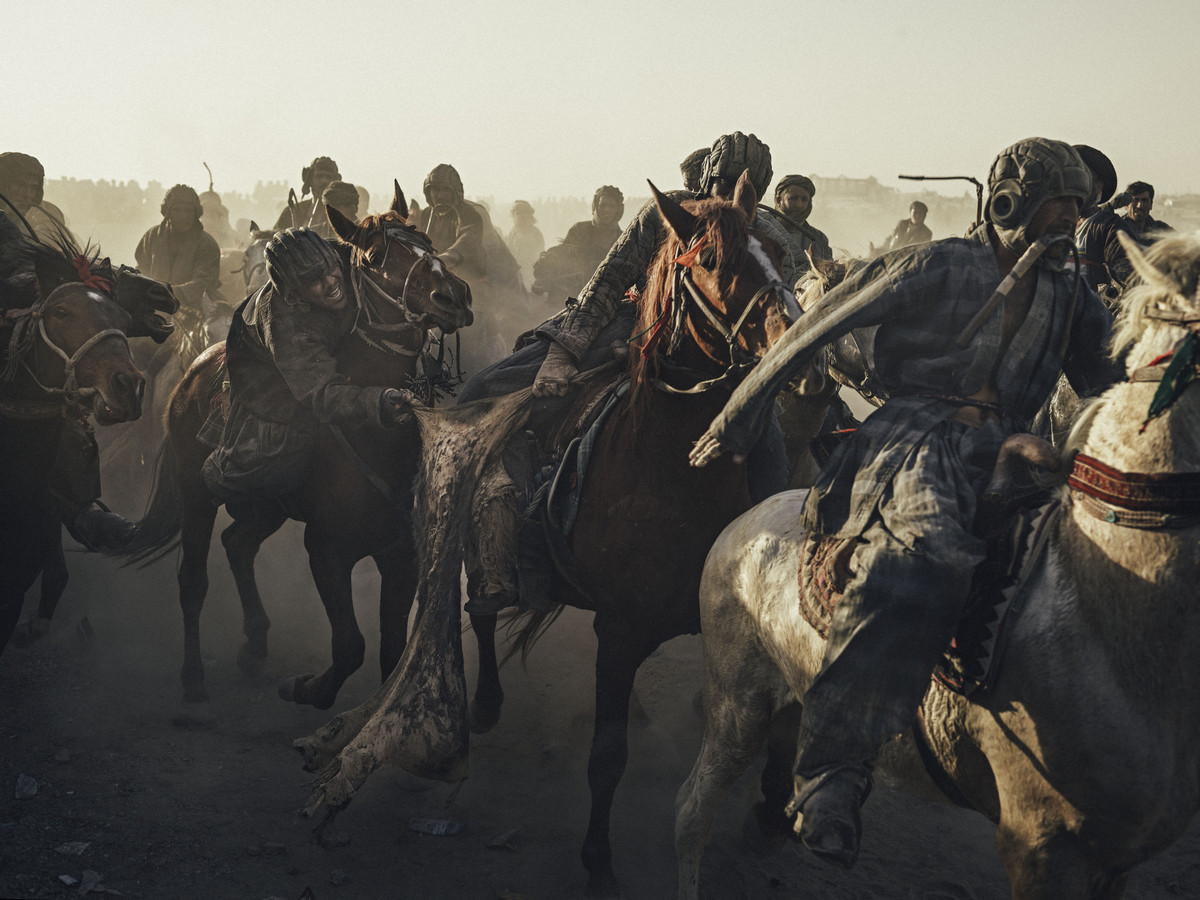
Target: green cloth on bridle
1180,372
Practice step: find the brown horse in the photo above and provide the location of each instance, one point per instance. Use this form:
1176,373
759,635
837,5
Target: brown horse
713,305
68,355
1085,746
355,503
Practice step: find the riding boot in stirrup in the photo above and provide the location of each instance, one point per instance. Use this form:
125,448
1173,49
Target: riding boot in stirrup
828,803
99,529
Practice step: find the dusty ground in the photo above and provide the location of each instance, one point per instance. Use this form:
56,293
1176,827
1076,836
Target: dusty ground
165,800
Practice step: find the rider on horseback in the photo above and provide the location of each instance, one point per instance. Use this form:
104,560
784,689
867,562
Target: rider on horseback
283,373
581,338
972,338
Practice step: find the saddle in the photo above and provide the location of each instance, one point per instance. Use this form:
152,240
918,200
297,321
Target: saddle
555,488
1014,532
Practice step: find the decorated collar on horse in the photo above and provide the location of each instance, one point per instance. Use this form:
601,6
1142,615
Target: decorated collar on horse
1154,500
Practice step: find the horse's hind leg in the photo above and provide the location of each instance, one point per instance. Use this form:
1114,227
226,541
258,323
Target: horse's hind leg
242,541
199,515
397,588
331,568
54,582
737,721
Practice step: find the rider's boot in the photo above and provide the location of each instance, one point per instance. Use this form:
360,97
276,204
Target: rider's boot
828,803
495,526
100,529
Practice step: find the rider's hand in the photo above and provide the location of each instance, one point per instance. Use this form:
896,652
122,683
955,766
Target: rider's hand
1121,200
396,405
555,373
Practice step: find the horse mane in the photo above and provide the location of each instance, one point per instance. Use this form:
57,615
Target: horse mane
1170,281
726,227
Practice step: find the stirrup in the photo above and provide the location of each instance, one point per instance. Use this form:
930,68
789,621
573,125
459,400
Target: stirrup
828,804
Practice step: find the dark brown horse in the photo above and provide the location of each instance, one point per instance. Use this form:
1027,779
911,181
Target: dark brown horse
68,355
356,500
713,305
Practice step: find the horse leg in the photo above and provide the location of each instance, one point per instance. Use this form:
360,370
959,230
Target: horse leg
484,712
331,572
54,583
778,780
397,589
619,653
199,516
1053,866
737,723
242,541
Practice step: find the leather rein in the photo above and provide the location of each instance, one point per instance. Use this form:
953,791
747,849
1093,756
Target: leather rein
1144,500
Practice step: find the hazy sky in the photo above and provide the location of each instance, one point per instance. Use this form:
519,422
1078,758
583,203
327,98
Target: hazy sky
544,98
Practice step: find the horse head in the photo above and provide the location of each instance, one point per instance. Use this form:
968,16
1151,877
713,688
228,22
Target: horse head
714,300
148,302
74,348
1151,422
394,259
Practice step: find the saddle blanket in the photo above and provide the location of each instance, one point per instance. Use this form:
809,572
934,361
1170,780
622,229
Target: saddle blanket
971,662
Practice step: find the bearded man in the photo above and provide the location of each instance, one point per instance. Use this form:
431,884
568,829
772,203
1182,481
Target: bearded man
973,333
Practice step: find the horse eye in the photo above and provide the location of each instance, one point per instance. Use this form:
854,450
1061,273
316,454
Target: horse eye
708,258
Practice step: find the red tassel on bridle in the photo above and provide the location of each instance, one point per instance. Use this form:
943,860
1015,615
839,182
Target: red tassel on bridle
88,277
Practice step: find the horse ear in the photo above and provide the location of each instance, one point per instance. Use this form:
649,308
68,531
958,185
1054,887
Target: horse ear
682,222
399,204
1146,271
745,197
342,226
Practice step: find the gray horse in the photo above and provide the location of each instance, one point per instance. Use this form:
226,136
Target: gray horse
1085,750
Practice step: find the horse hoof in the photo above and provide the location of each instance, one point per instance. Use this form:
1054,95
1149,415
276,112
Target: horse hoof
250,664
287,689
195,695
30,631
482,719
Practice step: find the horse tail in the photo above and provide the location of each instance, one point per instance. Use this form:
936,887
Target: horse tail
529,627
158,531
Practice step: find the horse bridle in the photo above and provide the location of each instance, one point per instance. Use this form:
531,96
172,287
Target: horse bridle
70,392
740,359
367,288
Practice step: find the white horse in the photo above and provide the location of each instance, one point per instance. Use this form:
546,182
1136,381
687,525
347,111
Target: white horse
1086,749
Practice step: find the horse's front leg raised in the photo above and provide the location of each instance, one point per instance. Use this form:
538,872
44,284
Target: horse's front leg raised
331,568
242,541
618,655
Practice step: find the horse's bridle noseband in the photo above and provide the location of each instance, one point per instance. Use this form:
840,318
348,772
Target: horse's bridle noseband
739,357
70,392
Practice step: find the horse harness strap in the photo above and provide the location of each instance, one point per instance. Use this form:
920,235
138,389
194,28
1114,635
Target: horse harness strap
1133,499
32,410
70,392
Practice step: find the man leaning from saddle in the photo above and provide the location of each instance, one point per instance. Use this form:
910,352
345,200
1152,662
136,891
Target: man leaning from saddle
973,335
283,374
